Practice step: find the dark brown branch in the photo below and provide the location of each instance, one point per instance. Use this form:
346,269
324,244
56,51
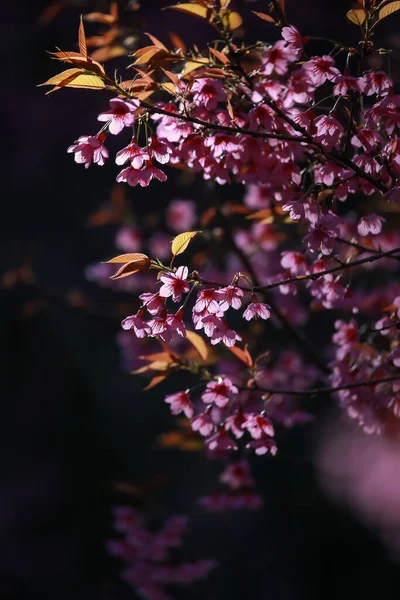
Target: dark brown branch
322,390
297,336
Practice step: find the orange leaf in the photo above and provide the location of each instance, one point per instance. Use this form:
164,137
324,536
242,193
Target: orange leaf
157,42
242,355
181,242
177,42
221,57
264,16
199,344
155,381
125,258
388,10
82,39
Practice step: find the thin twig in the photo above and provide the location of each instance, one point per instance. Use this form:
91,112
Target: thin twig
322,390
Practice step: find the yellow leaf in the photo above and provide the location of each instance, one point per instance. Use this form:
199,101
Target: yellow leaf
125,258
357,16
144,58
65,75
388,10
199,344
87,81
169,87
196,10
181,242
264,16
192,65
232,20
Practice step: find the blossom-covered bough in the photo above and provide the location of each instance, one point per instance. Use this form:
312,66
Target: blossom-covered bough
313,141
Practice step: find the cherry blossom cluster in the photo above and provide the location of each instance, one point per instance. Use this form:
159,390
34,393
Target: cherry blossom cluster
151,565
237,490
313,142
364,356
208,314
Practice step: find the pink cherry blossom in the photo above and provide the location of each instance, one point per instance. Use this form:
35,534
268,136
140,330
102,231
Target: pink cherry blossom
258,425
255,310
208,300
321,69
263,445
174,284
160,150
292,36
89,148
133,153
221,441
180,402
230,296
237,475
219,392
203,423
370,224
208,92
181,215
120,114
141,177
136,322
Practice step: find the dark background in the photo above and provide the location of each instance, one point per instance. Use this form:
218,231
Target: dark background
73,422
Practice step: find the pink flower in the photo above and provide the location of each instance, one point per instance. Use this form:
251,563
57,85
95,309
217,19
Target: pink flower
208,92
322,234
207,300
294,261
175,284
377,82
221,441
345,83
230,296
180,402
276,59
203,423
89,148
237,475
370,224
216,329
134,154
321,68
255,310
219,392
128,239
160,328
120,114
161,151
135,322
263,445
258,425
329,132
142,177
292,36
176,324
153,302
181,215
235,422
